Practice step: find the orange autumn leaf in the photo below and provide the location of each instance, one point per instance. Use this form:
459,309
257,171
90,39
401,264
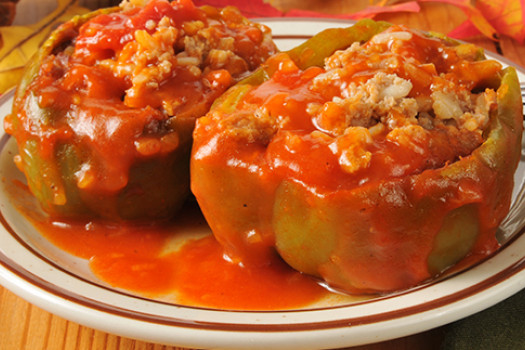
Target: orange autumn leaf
492,18
506,16
476,17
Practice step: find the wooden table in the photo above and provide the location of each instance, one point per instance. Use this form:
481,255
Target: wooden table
25,326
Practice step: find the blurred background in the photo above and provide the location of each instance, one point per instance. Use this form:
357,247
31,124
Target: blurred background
495,25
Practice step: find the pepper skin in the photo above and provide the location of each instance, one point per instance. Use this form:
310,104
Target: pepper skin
104,115
383,227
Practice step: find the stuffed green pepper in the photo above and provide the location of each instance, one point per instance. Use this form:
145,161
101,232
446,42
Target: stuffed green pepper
104,115
373,164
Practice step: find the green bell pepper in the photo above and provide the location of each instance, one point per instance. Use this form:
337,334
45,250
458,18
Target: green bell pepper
104,115
369,236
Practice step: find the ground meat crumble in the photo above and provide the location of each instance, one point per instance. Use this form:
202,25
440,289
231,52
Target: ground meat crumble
384,102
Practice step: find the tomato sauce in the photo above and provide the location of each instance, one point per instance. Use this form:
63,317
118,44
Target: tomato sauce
143,259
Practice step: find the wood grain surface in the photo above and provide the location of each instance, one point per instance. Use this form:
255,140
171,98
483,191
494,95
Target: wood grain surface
25,326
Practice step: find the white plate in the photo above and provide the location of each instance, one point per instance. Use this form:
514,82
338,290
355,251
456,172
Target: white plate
61,284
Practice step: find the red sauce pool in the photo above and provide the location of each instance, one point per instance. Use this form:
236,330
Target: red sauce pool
162,261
